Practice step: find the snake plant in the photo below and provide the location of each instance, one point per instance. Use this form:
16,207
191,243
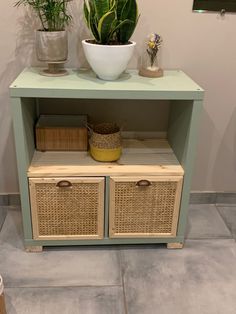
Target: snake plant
111,21
53,14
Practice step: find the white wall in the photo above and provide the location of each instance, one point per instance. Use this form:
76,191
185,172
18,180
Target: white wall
203,45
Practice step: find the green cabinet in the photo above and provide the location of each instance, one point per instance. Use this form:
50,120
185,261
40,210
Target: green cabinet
144,159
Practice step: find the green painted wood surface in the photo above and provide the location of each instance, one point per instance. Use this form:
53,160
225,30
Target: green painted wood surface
23,111
186,105
182,136
84,84
105,241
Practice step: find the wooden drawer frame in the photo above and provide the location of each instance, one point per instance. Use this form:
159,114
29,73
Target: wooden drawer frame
112,204
100,181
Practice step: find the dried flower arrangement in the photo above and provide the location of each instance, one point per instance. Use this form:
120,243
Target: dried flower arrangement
149,67
153,46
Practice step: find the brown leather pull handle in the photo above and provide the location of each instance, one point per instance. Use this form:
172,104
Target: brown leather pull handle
143,183
64,184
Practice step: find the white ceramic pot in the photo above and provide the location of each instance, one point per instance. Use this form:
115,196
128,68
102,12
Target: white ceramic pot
51,46
108,61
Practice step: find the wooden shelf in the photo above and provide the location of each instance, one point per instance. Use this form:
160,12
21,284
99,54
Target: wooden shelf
149,157
82,84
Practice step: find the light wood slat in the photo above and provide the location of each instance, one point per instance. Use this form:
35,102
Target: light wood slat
82,159
148,159
151,145
105,171
175,245
146,156
153,157
33,248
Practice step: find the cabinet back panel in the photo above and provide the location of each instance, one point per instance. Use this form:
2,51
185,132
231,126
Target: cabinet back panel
131,115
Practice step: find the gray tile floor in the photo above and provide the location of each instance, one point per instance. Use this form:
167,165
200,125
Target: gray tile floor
200,279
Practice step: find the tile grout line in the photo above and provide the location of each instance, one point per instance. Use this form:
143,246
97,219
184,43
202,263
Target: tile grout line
210,238
123,284
213,237
61,287
224,220
217,208
225,204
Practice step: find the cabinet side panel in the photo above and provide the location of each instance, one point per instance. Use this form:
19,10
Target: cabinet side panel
179,128
182,136
24,115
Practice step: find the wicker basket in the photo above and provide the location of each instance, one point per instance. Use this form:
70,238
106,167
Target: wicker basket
144,206
105,142
67,208
62,133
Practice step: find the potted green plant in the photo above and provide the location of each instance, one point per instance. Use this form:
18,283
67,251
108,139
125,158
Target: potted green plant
51,38
112,23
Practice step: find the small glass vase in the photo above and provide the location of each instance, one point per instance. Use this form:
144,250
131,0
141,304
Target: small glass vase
150,66
149,60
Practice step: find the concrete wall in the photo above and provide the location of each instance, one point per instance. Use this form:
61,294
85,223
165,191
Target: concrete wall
203,45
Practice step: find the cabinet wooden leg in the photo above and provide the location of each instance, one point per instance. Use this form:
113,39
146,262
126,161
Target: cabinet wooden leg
2,304
33,249
175,245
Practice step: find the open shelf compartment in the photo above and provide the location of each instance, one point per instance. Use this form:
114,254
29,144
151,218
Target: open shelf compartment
148,156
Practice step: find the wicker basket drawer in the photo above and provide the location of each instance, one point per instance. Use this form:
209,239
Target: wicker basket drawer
144,207
67,208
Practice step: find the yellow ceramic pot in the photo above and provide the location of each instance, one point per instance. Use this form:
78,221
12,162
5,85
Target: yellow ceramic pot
105,154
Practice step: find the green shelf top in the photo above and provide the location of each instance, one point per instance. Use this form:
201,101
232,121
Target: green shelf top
84,84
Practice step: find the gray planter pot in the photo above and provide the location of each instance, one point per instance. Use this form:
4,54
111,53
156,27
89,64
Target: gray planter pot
51,46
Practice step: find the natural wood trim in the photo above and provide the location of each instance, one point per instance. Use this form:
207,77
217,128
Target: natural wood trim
177,206
103,170
147,73
71,179
144,177
101,209
111,207
34,249
2,304
175,245
140,235
33,205
70,237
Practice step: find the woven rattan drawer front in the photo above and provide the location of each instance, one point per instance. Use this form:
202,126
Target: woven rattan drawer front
144,207
67,208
